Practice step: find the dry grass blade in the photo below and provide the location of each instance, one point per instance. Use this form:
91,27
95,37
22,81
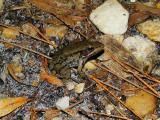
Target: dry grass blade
146,84
3,25
111,116
115,88
134,73
44,37
145,75
117,99
122,78
26,49
117,109
130,71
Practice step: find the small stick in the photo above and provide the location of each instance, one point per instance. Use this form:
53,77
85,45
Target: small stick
105,114
125,65
26,49
143,74
119,111
44,37
1,24
104,68
146,84
113,87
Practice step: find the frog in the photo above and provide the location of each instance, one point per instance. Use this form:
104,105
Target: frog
74,55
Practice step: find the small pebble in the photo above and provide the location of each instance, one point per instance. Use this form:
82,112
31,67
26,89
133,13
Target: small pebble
57,118
79,87
109,107
20,75
63,103
70,85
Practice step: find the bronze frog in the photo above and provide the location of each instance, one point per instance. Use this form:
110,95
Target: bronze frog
72,56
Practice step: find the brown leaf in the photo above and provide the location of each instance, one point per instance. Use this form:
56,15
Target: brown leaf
142,103
64,13
51,113
137,17
51,79
11,70
8,105
143,8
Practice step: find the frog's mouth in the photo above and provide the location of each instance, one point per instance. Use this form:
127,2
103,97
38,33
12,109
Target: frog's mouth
86,52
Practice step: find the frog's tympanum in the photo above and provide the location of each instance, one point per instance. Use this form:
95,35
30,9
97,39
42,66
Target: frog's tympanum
75,55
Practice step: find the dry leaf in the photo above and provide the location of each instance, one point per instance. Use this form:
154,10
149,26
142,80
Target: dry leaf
51,113
137,17
143,8
59,31
50,79
63,12
51,6
29,29
8,105
10,33
142,103
11,70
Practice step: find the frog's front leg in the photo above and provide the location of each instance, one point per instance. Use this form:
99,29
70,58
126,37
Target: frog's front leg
83,60
65,74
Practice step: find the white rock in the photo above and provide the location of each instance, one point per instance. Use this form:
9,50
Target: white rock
79,87
70,85
57,118
132,0
109,107
63,103
143,50
110,17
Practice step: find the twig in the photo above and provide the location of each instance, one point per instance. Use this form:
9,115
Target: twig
26,49
130,71
113,87
119,111
146,84
145,75
50,43
105,114
125,65
44,37
118,100
104,68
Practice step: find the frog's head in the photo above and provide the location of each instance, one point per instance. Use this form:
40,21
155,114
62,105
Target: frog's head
96,44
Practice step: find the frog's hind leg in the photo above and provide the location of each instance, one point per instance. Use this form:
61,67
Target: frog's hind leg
83,60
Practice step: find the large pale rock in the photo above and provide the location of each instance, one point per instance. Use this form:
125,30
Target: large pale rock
143,50
110,17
